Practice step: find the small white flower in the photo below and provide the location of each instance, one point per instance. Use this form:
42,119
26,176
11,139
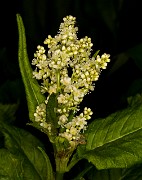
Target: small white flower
52,89
62,120
61,99
73,131
66,81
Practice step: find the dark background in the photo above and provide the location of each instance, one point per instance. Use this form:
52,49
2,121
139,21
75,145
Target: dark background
114,27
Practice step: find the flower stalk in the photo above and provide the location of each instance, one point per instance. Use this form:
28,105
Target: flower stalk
58,81
62,154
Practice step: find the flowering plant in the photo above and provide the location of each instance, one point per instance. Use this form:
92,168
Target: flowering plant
62,76
66,53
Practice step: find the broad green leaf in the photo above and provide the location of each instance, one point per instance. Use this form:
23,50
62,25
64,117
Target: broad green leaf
49,170
32,88
115,141
22,156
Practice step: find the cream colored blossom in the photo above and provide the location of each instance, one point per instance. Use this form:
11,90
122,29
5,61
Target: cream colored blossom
67,69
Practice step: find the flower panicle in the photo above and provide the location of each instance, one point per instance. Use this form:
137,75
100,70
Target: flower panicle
68,70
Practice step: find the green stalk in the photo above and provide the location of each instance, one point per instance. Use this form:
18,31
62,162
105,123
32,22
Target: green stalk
59,176
62,156
58,81
61,166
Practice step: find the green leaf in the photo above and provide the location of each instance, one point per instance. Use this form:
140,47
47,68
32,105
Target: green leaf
50,110
22,156
96,53
49,170
115,141
32,88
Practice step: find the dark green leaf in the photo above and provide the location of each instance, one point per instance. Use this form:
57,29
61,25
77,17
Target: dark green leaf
49,169
115,141
32,88
22,156
50,110
96,53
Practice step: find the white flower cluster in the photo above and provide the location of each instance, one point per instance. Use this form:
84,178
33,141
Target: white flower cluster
68,71
40,116
74,127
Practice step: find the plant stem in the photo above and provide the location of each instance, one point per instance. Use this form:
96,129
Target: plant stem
62,156
58,81
61,166
59,176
